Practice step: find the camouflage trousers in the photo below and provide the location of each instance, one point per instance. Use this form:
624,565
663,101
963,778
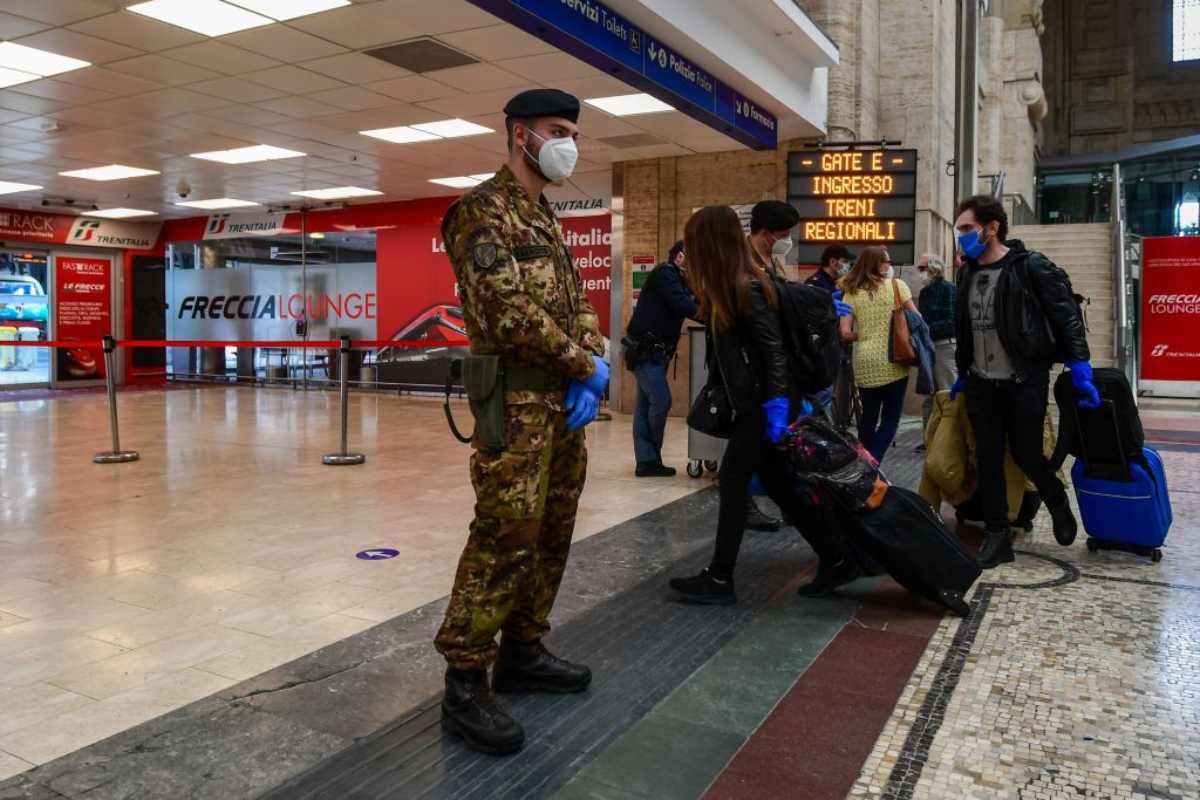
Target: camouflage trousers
508,576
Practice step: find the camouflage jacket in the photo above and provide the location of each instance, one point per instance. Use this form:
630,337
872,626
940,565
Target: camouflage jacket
521,293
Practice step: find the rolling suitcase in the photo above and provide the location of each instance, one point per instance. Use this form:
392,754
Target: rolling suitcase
912,543
1120,483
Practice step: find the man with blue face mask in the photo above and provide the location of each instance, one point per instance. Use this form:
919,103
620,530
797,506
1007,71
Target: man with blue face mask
1015,316
534,377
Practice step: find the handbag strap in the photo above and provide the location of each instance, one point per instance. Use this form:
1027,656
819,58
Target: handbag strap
896,295
720,367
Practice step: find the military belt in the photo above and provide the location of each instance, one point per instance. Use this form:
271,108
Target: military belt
519,378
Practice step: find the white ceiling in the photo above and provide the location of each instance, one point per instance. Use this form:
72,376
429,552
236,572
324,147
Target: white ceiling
157,93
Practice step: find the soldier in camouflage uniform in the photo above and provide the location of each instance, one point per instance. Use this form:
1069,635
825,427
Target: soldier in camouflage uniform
523,301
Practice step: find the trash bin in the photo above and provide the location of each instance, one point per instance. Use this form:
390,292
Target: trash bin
27,356
8,355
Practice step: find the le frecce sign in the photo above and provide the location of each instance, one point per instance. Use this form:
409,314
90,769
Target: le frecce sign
856,198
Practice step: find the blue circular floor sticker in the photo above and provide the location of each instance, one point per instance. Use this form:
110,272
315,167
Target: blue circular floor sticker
377,554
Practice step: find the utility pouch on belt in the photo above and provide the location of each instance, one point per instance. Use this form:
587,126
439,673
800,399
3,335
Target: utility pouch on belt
483,378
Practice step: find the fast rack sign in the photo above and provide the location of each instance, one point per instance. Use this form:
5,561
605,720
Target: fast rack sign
593,32
854,197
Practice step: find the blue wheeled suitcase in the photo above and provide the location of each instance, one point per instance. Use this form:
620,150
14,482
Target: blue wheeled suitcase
1132,515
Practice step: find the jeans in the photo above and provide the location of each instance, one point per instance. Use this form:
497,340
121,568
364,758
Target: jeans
748,452
825,398
650,415
1015,412
881,409
945,373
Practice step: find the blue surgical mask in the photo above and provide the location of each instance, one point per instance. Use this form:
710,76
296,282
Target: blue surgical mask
843,269
972,244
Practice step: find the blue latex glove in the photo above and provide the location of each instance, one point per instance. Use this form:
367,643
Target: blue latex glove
582,406
1081,378
803,410
843,308
598,381
777,418
959,386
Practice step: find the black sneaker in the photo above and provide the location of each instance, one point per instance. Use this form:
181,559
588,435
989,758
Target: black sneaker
1065,526
828,579
756,520
470,710
996,550
919,448
705,589
654,469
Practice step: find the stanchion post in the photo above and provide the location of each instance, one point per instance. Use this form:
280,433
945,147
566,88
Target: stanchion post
116,455
344,458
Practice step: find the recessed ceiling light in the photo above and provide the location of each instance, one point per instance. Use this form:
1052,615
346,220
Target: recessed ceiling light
483,176
248,155
6,187
452,128
12,77
209,17
626,105
40,62
461,182
120,213
400,135
289,9
337,193
113,172
217,203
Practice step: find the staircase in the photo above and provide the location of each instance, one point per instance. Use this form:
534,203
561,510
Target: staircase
1085,252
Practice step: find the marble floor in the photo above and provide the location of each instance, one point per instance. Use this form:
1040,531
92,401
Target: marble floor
229,549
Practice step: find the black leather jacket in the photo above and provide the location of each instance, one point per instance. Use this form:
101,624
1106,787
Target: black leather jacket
1038,317
752,355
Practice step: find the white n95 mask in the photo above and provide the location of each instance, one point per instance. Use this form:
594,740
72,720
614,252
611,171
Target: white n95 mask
557,158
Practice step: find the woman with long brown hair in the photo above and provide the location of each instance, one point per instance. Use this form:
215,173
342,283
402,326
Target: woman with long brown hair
745,350
872,292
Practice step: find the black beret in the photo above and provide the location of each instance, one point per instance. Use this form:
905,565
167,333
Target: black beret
773,215
543,103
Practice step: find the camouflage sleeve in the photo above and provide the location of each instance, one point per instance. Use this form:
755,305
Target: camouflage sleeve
589,322
515,325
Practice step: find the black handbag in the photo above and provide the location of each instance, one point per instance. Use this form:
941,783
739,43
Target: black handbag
713,412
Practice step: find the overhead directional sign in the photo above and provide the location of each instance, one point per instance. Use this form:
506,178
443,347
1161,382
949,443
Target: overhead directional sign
856,198
593,32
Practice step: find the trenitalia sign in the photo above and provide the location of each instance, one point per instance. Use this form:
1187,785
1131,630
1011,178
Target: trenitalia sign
236,226
35,226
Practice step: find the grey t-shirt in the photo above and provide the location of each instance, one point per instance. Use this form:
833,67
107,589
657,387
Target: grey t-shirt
990,359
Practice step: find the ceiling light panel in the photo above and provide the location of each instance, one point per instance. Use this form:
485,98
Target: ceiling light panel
289,9
216,203
113,172
453,128
39,62
13,77
338,193
462,182
402,134
7,187
207,17
119,213
483,176
249,155
627,105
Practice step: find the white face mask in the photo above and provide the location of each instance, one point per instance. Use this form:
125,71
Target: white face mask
782,247
557,158
891,273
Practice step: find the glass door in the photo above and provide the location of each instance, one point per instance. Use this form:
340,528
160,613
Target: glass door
24,316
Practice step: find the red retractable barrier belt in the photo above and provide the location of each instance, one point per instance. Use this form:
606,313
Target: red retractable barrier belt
358,344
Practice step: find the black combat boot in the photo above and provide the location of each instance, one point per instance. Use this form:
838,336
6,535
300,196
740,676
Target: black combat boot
756,520
1065,526
470,710
830,577
706,589
654,469
996,550
530,667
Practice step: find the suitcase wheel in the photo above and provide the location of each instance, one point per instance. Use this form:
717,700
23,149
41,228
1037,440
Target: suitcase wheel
1156,555
711,466
694,469
1093,545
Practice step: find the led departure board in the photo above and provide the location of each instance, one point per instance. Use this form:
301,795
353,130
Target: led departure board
856,198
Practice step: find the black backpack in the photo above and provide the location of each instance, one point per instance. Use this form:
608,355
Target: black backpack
810,334
1109,438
